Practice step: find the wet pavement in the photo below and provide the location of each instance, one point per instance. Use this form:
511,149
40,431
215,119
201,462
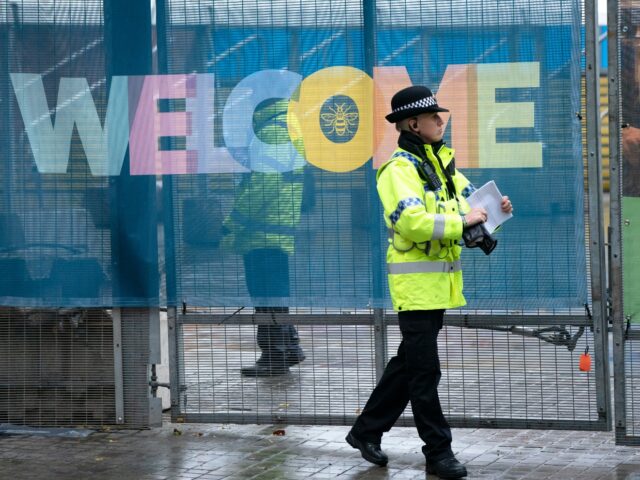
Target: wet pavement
215,451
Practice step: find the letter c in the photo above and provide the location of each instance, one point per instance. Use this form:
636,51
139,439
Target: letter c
237,120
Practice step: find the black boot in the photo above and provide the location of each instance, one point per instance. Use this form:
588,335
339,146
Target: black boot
294,358
267,367
448,468
370,451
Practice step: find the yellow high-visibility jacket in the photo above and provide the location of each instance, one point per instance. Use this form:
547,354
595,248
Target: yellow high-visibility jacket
266,209
425,227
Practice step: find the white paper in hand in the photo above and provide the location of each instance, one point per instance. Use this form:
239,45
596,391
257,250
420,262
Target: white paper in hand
489,197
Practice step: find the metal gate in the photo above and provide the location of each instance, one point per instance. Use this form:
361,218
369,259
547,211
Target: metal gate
501,367
506,371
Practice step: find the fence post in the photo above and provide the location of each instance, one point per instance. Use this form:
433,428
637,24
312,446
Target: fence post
134,243
596,218
174,366
379,325
117,365
615,232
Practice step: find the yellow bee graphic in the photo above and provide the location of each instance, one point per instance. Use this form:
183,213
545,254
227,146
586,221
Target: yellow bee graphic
340,119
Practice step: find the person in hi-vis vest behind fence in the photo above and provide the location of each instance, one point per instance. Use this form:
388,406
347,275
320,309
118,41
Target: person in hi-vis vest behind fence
261,227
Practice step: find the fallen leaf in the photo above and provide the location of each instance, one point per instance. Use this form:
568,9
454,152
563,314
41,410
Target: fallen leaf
279,433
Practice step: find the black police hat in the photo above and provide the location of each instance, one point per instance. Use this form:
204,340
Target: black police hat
412,101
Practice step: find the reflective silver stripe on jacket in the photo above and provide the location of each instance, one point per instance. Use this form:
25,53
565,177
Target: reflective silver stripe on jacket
424,267
438,227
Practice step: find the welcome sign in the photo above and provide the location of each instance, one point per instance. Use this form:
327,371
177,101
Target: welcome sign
337,113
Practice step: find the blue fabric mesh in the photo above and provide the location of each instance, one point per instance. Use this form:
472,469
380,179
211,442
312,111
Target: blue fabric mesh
74,236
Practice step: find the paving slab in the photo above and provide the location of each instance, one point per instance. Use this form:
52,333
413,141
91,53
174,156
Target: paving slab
216,451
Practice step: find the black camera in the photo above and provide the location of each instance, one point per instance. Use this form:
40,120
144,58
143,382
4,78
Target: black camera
478,236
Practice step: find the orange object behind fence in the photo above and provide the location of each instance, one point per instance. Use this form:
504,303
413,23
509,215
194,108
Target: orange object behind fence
585,361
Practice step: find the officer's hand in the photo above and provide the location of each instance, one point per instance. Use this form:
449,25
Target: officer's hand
475,216
506,205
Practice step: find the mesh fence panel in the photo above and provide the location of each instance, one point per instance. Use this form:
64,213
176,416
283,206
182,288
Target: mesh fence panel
628,194
56,367
500,375
328,387
494,377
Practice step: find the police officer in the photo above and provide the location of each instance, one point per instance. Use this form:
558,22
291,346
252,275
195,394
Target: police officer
425,210
261,227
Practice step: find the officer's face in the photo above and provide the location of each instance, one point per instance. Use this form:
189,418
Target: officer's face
428,126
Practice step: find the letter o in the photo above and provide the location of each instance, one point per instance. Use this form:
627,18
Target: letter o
313,93
237,119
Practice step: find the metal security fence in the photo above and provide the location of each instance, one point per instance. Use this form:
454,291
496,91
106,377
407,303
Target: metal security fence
510,372
185,129
511,358
623,20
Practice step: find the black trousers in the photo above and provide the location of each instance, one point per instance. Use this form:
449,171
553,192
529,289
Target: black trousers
267,275
411,376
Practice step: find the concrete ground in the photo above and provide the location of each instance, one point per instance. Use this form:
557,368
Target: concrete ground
179,451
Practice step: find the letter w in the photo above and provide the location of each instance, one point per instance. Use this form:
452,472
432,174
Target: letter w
104,148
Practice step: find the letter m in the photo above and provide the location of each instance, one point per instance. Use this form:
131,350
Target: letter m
104,148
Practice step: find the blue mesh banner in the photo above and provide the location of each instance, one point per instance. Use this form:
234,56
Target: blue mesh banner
261,131
278,206
76,229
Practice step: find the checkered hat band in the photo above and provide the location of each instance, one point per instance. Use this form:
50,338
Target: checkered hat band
422,103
